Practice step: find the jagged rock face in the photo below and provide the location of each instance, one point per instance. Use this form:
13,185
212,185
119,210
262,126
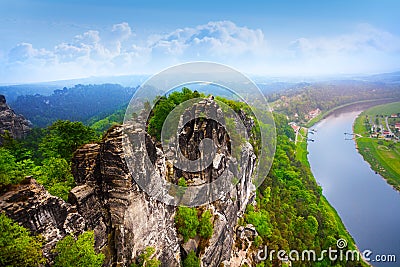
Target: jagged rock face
16,125
125,219
34,208
198,129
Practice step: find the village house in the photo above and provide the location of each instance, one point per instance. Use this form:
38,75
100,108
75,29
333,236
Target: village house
387,134
294,126
314,113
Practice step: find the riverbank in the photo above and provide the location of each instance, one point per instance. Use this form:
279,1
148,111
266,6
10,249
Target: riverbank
301,155
360,105
382,155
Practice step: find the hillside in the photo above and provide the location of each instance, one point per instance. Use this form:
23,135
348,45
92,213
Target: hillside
305,103
78,103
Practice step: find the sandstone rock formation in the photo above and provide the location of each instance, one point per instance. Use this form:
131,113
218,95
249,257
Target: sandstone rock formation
34,208
15,125
126,219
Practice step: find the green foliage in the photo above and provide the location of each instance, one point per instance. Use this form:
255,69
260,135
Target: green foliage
182,182
55,175
186,222
45,154
147,259
8,169
258,241
382,155
290,211
260,220
64,137
191,260
164,106
17,246
79,103
78,252
189,223
102,125
181,190
205,229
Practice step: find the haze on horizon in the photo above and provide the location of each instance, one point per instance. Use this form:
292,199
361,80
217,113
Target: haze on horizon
43,40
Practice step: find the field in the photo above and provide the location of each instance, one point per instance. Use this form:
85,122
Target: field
383,155
301,147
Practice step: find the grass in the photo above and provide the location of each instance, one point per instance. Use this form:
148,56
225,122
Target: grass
386,109
383,156
301,147
301,155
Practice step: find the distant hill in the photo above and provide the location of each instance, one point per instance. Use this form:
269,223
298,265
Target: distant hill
392,77
11,92
78,103
297,103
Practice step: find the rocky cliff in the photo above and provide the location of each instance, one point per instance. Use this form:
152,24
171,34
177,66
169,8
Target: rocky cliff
15,125
126,219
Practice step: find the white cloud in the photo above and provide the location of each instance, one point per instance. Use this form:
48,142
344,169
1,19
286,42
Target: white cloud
366,49
366,38
121,31
218,39
116,51
25,51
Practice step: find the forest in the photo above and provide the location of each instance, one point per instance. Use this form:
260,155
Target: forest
299,101
83,103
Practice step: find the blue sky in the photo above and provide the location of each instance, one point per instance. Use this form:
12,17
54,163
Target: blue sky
53,40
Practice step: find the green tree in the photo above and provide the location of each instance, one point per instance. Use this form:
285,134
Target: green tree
10,171
64,137
260,220
164,106
205,227
17,246
55,175
191,260
186,221
78,252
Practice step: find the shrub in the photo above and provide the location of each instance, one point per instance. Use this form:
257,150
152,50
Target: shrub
205,227
78,252
17,246
191,260
187,222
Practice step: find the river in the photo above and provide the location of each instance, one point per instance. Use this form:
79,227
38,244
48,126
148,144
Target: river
368,206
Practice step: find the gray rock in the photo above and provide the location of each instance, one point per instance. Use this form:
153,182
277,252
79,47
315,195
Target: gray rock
15,125
124,218
34,208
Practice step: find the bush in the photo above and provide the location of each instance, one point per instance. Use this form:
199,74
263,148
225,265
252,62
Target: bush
17,246
186,222
11,171
56,177
260,220
64,137
78,252
191,260
164,106
205,227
